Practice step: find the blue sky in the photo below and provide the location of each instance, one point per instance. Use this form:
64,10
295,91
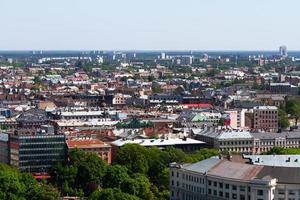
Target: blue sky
149,24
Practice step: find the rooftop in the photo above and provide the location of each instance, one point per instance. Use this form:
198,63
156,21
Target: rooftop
275,160
235,170
157,142
85,143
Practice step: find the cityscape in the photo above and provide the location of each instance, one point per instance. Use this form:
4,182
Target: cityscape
153,100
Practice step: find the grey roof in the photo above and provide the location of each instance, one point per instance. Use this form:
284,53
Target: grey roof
235,135
282,174
207,131
267,135
33,115
202,166
275,160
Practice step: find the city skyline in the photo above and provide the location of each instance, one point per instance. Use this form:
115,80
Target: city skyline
134,25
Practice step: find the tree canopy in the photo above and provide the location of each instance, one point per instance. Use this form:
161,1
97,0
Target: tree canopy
23,186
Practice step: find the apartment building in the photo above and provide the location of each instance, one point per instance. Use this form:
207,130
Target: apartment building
266,118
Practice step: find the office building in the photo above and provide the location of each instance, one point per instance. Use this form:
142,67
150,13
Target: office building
36,153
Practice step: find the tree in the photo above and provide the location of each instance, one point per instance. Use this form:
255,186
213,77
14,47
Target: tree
115,176
82,172
293,108
139,186
156,89
283,119
111,194
133,157
22,186
151,78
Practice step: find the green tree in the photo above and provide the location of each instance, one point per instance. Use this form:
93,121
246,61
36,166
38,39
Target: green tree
115,176
139,186
133,157
283,119
83,171
293,108
111,194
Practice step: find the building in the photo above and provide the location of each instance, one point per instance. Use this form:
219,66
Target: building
283,51
220,179
246,142
4,150
120,99
36,153
266,118
186,144
283,88
103,150
81,114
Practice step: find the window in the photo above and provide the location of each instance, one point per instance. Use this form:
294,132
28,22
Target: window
227,195
242,197
234,196
292,192
233,187
209,191
227,186
260,192
220,193
209,182
215,192
215,184
220,185
242,188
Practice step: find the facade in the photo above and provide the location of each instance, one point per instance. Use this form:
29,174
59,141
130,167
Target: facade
103,150
36,153
266,118
283,88
4,148
120,99
218,179
247,142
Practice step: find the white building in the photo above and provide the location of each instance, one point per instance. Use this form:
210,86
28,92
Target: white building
220,179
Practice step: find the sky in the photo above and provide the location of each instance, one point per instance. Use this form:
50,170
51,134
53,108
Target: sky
149,24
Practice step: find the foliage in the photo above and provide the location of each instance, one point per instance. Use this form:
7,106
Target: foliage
156,89
292,107
137,173
115,176
111,194
16,185
283,151
283,119
83,172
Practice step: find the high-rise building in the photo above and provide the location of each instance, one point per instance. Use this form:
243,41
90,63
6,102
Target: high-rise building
163,55
283,51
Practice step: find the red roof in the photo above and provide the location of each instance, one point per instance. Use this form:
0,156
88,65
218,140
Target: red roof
85,143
